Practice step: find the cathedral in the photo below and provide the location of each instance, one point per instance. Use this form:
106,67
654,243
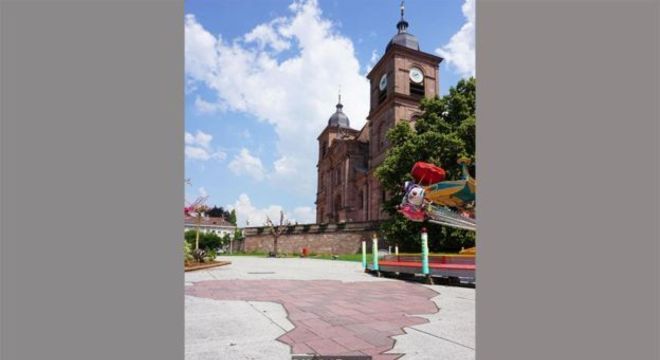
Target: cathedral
348,190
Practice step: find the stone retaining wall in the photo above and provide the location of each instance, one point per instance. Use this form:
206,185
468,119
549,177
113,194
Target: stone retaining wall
317,238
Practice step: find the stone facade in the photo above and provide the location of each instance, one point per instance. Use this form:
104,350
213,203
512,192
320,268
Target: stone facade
348,190
319,239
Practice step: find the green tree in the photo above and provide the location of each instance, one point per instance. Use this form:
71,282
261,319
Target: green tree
232,217
444,133
238,234
207,240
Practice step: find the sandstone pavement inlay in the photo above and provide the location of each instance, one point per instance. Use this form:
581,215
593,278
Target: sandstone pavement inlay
332,317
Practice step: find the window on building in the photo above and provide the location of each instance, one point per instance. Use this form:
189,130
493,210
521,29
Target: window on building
382,95
361,200
416,82
417,89
324,148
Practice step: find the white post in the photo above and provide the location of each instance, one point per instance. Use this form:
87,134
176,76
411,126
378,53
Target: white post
396,250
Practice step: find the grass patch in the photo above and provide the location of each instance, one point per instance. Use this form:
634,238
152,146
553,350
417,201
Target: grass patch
241,253
344,257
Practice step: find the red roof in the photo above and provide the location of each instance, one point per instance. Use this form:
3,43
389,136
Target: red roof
209,221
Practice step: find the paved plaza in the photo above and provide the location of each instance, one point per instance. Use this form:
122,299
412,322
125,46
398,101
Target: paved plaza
263,308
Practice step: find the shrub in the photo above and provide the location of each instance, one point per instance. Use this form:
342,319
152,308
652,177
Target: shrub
207,241
210,255
187,252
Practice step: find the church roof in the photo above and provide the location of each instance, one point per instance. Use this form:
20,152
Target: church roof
403,37
339,119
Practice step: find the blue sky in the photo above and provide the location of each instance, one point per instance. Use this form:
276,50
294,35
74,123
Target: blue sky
262,79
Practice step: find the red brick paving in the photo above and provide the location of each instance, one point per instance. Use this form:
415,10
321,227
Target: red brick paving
332,317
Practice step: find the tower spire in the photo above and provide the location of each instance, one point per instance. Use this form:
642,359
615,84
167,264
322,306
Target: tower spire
339,105
402,25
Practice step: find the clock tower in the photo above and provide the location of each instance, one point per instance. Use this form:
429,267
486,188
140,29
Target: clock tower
399,80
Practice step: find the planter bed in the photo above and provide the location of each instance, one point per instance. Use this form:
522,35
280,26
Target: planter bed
212,264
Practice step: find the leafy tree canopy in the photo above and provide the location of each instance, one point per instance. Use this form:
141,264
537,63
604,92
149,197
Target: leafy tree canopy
444,133
219,211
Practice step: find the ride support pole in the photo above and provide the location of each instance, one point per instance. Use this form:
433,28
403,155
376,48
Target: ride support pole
375,252
425,252
364,255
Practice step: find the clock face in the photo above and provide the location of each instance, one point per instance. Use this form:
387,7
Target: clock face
416,75
383,82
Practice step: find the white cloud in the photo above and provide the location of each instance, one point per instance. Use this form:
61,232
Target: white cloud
373,60
268,35
199,139
294,91
246,164
198,147
246,211
206,107
304,215
459,52
202,192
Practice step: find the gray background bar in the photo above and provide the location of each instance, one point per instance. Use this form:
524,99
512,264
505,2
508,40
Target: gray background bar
567,151
92,180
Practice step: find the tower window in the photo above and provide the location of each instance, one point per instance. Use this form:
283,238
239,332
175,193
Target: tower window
361,200
337,206
324,149
417,89
382,95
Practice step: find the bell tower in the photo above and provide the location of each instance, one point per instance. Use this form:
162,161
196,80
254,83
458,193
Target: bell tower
402,77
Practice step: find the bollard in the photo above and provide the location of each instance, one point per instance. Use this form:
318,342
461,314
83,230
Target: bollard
389,250
364,255
396,250
425,252
375,252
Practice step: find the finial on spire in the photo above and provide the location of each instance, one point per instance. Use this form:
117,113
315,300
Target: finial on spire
402,25
339,105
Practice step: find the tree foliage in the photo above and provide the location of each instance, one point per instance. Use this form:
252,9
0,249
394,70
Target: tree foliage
207,240
444,133
232,217
219,211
